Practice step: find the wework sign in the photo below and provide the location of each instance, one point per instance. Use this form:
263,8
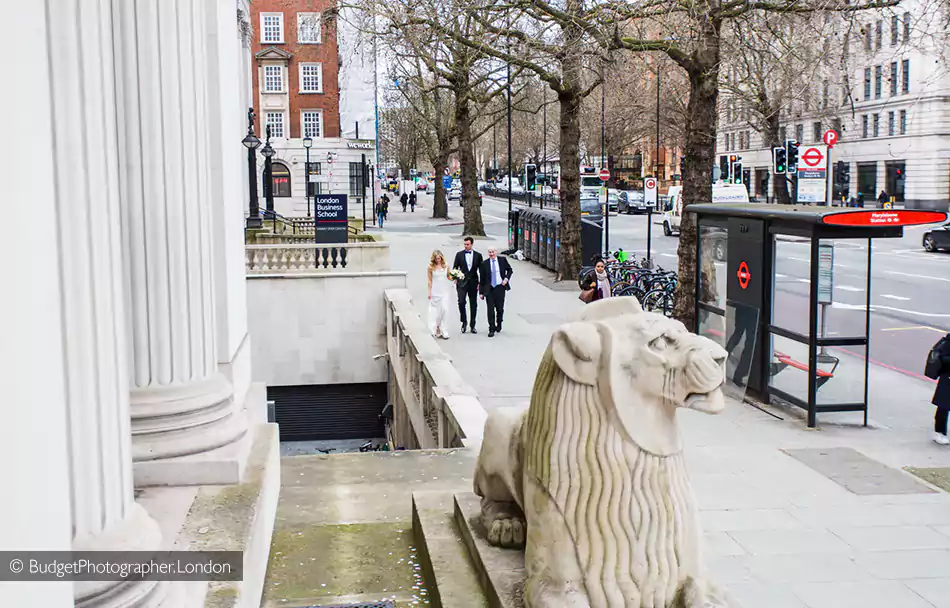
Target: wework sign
360,145
330,223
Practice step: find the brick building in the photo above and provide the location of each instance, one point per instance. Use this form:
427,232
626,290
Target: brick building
300,89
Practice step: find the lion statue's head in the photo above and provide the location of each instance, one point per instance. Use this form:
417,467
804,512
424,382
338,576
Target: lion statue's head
642,366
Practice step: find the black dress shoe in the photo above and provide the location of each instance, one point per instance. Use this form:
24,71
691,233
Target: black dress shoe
491,333
474,331
463,328
498,329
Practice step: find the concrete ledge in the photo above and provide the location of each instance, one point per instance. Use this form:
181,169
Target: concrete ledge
449,573
239,518
326,275
500,571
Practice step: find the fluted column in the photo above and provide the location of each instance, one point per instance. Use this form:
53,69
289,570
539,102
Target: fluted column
181,403
104,513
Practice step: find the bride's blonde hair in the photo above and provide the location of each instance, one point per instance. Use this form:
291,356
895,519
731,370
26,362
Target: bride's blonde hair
434,259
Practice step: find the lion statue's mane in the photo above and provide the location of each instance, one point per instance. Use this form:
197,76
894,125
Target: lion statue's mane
597,487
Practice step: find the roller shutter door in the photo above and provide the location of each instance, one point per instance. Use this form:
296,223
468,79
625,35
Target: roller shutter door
333,411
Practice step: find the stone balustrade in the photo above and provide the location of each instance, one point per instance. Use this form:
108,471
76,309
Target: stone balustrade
433,407
287,258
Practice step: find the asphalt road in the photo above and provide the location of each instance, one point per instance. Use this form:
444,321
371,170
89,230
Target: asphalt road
910,288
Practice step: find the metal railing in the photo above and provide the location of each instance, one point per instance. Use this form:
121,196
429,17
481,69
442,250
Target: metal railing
530,199
295,226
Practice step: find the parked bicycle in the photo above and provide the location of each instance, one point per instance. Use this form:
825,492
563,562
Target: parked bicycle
654,288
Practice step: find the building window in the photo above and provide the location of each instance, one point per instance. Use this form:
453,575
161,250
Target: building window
879,31
867,37
867,84
893,78
314,187
308,28
864,126
903,122
272,28
311,78
877,125
725,142
836,125
357,180
748,142
312,121
905,81
890,124
800,133
906,28
782,135
275,120
878,81
280,179
816,131
732,140
895,29
273,79
825,94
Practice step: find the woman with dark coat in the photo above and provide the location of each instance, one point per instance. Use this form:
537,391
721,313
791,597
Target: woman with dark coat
599,281
404,199
942,396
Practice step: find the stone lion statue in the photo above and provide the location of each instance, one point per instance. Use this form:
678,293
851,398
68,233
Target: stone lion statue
591,477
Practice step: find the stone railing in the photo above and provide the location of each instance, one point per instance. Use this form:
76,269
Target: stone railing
316,258
433,407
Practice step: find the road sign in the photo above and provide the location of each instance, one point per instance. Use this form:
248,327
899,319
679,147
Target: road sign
813,157
604,175
744,275
830,138
649,191
446,181
826,273
812,174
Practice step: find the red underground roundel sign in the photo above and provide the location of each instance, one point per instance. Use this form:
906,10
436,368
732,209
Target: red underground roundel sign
884,218
744,275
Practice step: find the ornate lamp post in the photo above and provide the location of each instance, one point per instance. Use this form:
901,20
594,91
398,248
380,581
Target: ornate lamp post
307,143
268,153
252,143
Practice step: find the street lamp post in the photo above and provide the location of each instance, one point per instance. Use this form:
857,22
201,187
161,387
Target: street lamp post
603,155
252,143
307,143
268,153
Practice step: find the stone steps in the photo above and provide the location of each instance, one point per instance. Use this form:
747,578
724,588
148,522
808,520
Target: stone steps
451,578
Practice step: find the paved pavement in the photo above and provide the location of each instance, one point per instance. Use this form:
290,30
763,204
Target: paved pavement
782,531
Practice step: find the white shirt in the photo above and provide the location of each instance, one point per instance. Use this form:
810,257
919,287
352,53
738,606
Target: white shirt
469,255
495,274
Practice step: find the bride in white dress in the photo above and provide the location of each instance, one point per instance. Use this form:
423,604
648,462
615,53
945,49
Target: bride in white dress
440,294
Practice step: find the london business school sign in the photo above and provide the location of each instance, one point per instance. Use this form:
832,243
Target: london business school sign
330,222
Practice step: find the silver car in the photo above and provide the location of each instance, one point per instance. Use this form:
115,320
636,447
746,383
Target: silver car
592,207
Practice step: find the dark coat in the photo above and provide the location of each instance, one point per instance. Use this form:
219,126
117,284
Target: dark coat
471,276
592,284
942,394
484,273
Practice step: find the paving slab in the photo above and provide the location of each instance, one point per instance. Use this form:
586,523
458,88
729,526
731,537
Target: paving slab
857,472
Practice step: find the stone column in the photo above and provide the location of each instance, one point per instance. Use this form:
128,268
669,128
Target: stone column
181,404
105,515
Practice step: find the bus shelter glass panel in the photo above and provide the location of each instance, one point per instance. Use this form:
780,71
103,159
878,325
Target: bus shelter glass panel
788,368
736,332
791,282
712,262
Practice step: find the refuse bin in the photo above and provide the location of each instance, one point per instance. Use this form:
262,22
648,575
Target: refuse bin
520,232
513,227
557,245
592,239
552,235
528,221
542,240
535,227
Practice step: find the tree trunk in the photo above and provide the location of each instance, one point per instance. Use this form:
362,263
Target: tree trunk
771,136
700,156
473,224
569,264
440,208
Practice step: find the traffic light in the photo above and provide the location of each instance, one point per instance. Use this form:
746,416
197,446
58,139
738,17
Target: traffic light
843,171
779,161
724,168
737,171
682,165
791,153
731,175
530,177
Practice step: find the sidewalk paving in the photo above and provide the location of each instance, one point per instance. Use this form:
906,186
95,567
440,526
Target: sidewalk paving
779,532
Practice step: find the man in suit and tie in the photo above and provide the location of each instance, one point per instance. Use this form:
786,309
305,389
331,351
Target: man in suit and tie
468,261
495,274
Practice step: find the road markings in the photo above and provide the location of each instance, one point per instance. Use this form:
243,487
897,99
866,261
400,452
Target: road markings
893,297
848,288
916,276
939,331
804,280
875,307
791,257
668,255
780,276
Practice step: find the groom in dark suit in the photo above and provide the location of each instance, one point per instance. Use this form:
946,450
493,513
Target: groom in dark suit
495,274
468,261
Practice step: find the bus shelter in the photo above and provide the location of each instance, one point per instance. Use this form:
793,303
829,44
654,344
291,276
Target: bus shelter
791,301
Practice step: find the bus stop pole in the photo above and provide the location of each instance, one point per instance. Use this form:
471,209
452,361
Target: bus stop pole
649,233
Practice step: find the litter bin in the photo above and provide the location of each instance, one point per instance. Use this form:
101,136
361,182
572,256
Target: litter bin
552,234
592,239
513,228
557,245
520,232
529,227
542,240
535,227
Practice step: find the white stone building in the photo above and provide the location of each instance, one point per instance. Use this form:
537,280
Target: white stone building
126,372
894,127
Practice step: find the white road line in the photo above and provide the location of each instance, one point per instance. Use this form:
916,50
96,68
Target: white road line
934,315
916,276
668,255
848,288
780,276
804,280
791,257
893,297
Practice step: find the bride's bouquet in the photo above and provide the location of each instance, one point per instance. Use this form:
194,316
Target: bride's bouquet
456,275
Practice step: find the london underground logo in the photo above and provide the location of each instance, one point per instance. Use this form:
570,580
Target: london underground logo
744,275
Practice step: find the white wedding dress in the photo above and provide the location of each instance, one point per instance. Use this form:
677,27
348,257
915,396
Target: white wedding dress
440,302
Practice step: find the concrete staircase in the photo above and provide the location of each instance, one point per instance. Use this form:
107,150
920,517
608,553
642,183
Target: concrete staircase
461,569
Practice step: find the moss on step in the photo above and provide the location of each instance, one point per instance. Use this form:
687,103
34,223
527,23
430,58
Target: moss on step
322,562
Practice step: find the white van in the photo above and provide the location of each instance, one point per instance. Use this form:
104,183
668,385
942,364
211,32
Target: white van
722,193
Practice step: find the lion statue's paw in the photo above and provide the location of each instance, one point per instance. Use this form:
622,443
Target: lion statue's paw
506,530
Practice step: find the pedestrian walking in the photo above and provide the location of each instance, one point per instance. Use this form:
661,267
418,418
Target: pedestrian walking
938,367
468,261
385,207
882,197
380,215
404,199
597,286
494,275
412,202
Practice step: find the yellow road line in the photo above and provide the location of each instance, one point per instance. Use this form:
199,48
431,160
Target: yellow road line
939,331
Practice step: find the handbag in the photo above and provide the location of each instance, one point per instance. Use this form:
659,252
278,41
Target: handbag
587,295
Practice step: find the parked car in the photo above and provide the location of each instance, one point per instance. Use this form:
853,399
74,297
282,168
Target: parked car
938,238
592,208
430,188
482,185
455,194
422,185
517,188
613,200
631,201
